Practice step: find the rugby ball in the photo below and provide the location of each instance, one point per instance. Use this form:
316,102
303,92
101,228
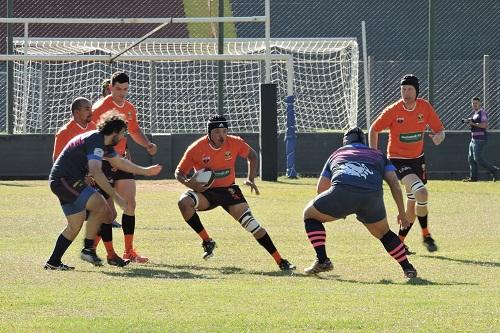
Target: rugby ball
206,176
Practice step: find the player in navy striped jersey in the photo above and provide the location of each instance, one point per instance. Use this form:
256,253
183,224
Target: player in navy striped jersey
351,183
83,154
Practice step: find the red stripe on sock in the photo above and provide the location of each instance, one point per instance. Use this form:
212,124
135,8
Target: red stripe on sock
312,233
397,249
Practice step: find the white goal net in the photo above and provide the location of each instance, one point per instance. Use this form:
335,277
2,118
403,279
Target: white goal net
175,89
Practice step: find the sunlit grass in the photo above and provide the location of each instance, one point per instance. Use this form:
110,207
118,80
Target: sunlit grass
240,288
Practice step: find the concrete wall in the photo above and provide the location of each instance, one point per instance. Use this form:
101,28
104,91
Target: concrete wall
29,156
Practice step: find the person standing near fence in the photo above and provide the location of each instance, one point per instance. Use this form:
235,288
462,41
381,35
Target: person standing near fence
124,182
407,119
478,123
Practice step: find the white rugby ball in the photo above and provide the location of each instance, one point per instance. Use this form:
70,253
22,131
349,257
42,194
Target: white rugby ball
206,176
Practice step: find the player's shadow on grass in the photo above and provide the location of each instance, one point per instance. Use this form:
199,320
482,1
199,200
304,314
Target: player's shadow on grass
228,270
415,281
152,273
16,185
465,261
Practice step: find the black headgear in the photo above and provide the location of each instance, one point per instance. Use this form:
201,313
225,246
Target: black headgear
411,80
354,135
217,122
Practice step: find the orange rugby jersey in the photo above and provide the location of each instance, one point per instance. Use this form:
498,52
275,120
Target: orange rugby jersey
66,133
406,136
200,154
127,109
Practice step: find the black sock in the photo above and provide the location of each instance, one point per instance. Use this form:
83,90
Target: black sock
395,248
88,243
106,232
266,242
404,232
62,244
195,223
423,221
128,224
317,236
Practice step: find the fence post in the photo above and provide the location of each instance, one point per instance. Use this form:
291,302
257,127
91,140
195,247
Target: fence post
486,79
10,71
153,123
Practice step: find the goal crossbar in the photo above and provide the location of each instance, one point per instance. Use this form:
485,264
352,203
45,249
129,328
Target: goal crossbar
142,20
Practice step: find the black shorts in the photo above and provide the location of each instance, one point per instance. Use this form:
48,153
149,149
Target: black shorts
406,166
224,196
343,200
112,175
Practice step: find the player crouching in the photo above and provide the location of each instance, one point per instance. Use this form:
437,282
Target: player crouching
218,151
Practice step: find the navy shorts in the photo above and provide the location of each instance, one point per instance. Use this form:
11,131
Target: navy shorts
405,166
73,195
342,200
224,196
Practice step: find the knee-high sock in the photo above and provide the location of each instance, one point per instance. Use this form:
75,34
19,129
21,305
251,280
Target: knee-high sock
195,224
107,239
62,244
404,232
423,223
317,236
266,242
128,226
395,248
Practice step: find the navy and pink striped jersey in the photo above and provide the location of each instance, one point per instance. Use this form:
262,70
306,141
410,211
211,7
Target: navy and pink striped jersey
72,163
357,165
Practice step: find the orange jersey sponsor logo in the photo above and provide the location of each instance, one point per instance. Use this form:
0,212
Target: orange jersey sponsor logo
406,128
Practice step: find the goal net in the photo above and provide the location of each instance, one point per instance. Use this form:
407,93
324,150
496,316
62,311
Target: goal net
174,82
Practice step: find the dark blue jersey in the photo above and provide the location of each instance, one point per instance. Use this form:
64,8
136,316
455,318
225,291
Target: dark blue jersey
357,165
72,163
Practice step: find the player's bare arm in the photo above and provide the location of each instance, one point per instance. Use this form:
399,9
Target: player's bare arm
392,180
373,138
252,160
438,137
128,166
95,169
189,182
143,141
324,184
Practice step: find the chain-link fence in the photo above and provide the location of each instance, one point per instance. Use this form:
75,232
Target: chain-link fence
397,36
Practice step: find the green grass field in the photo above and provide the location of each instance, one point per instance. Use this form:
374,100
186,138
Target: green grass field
240,288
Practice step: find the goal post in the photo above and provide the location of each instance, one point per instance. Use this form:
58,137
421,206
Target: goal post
174,82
